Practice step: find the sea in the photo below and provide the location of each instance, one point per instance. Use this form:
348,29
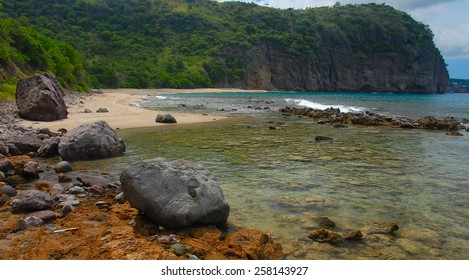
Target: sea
279,180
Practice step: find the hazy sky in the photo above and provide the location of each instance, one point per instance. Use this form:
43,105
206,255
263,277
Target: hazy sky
449,20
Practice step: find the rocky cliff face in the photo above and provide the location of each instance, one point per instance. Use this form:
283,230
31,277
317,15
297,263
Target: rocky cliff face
274,67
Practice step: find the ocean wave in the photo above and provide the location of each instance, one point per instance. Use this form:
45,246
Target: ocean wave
319,106
164,97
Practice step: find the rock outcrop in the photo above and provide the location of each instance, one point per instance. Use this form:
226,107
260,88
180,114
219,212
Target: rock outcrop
175,194
90,141
40,98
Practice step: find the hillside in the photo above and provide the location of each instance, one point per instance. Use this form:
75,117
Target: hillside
186,43
24,51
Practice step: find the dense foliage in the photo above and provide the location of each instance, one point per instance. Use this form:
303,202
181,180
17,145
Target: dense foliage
458,85
181,43
24,51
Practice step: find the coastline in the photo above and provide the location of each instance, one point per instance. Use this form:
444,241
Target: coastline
122,114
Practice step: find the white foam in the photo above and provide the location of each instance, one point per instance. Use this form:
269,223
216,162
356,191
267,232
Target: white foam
319,106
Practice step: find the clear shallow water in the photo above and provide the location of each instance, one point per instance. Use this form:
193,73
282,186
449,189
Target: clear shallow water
279,180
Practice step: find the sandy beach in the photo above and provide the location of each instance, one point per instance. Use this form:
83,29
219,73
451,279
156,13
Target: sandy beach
121,113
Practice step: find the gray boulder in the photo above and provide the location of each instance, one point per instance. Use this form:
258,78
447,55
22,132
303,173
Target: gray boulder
165,118
90,141
34,200
175,194
40,98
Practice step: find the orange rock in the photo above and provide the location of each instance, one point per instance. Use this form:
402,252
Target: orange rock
124,211
251,244
19,160
210,234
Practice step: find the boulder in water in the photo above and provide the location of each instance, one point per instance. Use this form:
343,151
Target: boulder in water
175,194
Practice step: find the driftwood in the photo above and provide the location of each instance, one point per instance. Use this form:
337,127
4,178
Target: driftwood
65,230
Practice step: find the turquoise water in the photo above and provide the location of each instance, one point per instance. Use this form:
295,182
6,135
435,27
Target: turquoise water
280,180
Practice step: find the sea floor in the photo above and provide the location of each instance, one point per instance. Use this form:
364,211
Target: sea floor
279,180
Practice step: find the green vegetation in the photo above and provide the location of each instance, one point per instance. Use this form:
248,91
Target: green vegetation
186,43
24,51
458,85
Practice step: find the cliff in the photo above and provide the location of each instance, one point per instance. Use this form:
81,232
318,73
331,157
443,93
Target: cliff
187,44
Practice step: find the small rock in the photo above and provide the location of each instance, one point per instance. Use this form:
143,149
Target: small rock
56,190
97,190
6,165
180,249
67,208
31,170
45,215
31,221
102,110
272,127
164,239
382,228
324,235
120,197
50,148
102,205
352,235
192,257
9,191
454,133
15,180
63,167
165,118
323,139
3,178
90,180
64,178
325,222
76,190
3,199
87,111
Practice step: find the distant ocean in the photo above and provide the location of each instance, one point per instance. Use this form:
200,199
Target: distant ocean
281,180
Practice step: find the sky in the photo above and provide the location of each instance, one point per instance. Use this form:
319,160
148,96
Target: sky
449,20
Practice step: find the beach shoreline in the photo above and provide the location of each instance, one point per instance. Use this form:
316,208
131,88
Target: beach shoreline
121,113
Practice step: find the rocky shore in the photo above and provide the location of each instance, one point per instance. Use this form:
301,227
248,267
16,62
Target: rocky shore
50,211
339,119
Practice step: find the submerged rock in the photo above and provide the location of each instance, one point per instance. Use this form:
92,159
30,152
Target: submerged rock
252,245
323,139
91,141
325,235
381,227
63,167
175,194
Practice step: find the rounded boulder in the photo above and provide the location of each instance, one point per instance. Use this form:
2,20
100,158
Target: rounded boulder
175,193
90,141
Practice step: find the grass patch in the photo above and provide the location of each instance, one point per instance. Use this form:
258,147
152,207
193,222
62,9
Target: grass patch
7,92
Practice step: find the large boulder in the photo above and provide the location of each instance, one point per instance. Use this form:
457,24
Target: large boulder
175,194
40,98
90,141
